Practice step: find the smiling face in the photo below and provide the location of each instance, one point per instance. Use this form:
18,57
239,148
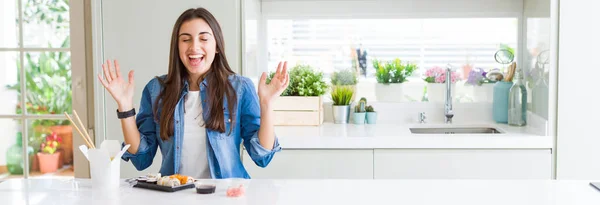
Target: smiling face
197,46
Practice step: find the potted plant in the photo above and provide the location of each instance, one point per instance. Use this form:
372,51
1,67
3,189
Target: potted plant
341,97
390,76
301,102
48,83
436,83
371,115
347,78
48,157
482,87
359,112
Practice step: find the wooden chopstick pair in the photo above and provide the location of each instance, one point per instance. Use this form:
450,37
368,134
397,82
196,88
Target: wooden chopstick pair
84,135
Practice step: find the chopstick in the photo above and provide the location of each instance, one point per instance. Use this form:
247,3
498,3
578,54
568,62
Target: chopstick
85,137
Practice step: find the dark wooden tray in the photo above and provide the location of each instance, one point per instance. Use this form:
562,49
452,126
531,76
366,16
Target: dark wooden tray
157,187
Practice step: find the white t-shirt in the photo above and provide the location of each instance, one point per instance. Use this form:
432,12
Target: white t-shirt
194,160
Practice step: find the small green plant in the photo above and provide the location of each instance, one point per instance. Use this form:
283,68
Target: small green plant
370,109
363,99
342,95
361,107
304,81
394,71
344,77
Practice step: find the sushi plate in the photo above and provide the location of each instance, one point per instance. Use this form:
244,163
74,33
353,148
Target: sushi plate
146,185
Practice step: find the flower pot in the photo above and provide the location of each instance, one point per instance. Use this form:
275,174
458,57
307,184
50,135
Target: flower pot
391,92
436,92
66,134
371,117
359,118
483,93
48,162
341,113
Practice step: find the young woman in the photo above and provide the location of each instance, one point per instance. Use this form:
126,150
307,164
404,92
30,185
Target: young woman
201,111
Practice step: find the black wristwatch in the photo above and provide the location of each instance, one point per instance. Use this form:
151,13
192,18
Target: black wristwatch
126,114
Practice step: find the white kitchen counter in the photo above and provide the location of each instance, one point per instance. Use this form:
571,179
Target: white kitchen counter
267,192
390,136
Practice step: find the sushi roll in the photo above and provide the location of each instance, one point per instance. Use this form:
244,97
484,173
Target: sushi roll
173,183
153,175
163,181
141,179
151,180
189,180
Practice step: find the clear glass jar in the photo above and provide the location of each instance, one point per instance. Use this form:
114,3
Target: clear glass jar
14,157
517,102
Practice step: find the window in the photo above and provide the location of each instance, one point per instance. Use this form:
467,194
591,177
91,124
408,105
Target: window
328,44
35,87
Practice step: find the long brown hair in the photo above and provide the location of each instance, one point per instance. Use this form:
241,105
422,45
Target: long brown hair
216,77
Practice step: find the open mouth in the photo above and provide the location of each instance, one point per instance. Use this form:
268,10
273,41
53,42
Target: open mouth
196,60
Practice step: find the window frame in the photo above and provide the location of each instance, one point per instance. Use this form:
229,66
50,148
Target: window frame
75,9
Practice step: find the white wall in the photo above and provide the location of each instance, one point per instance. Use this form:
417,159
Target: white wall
578,143
138,33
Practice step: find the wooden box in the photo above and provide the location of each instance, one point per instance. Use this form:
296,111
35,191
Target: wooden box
298,110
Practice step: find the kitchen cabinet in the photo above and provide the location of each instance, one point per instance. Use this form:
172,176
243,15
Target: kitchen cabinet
462,164
405,164
314,164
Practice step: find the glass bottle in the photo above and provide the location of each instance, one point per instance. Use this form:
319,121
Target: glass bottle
14,156
517,102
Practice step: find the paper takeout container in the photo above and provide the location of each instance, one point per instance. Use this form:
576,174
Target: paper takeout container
105,167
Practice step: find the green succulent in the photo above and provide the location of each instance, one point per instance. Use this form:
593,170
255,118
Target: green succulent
304,81
363,99
344,77
370,109
394,71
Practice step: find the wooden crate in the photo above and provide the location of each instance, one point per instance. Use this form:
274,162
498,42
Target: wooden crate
296,110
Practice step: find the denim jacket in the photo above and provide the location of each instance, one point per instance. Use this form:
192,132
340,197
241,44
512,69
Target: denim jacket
223,148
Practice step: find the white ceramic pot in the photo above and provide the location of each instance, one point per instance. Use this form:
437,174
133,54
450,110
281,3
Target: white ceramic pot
483,93
389,92
436,92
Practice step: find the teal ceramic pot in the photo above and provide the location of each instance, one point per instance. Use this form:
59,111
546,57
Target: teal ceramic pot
371,117
359,118
500,102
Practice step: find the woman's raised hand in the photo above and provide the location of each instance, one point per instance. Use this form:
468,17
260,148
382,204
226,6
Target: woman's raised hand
269,92
115,84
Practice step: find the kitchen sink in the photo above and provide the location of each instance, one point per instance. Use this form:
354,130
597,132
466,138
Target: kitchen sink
455,130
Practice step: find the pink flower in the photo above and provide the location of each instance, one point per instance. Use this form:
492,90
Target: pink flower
439,75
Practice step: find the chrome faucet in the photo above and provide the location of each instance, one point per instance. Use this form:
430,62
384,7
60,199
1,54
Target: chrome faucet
448,112
422,117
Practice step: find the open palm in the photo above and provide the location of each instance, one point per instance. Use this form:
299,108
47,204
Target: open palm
114,83
279,82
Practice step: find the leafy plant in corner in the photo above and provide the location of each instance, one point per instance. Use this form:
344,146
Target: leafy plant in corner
342,95
394,71
304,81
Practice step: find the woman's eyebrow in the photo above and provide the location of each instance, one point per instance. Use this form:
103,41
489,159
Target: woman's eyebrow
201,33
185,34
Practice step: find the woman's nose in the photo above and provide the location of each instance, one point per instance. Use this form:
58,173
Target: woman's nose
196,45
